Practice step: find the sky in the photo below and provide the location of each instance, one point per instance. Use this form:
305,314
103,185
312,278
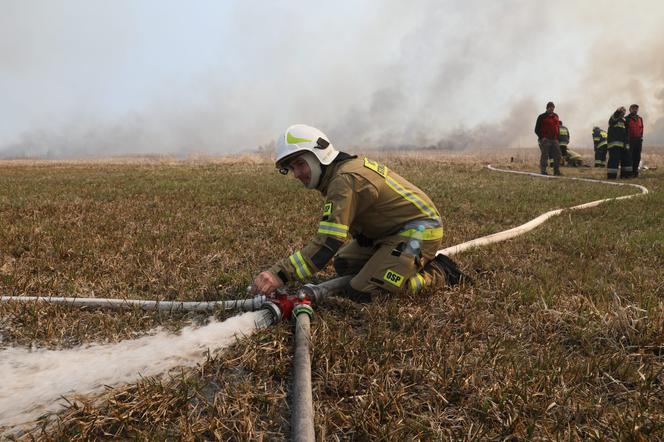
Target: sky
97,78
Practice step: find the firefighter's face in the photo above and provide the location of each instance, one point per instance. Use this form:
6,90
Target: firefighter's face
301,170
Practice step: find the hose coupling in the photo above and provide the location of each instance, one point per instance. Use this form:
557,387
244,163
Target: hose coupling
303,308
273,308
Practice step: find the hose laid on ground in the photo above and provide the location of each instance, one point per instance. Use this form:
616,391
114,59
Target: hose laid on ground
530,225
249,304
302,420
256,302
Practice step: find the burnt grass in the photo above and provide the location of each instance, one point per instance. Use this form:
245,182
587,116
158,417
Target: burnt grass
560,337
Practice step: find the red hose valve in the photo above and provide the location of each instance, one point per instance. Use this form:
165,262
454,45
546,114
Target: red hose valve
290,305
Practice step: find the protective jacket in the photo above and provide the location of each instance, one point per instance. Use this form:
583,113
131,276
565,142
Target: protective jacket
563,136
634,126
617,135
547,126
363,199
599,138
574,158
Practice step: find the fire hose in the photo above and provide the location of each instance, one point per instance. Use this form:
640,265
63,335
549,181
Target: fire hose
530,225
285,306
329,287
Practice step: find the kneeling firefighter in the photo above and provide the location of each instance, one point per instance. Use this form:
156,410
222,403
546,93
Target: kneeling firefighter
396,230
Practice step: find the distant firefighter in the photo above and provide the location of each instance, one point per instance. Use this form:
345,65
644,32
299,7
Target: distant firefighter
567,156
573,159
546,129
618,146
635,132
599,142
563,139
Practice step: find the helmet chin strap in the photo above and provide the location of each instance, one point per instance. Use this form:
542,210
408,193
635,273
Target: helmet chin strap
314,166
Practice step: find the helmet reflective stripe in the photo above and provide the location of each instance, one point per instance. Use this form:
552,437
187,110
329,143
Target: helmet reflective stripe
301,138
294,140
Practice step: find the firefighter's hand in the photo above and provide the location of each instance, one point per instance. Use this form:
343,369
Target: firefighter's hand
266,283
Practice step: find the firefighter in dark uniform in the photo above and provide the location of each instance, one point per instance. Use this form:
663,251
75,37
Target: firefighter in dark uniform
634,125
599,143
618,147
370,203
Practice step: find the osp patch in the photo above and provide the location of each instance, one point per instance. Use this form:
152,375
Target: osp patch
393,278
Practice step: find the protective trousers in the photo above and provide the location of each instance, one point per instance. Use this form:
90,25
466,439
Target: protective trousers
386,266
600,156
549,148
619,157
635,145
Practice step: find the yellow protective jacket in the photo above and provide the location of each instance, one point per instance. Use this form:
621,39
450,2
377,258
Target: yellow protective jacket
362,197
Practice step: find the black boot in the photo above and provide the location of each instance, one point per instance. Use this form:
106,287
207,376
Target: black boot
444,265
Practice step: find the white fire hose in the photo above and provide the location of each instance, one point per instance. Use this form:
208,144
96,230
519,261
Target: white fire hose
530,225
303,414
257,302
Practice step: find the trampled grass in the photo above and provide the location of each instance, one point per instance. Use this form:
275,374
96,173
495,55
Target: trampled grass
562,335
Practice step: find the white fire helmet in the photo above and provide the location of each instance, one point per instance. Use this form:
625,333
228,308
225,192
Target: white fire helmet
300,138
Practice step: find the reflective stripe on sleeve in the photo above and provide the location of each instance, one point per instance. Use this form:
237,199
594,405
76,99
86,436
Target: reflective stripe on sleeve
300,265
616,144
328,228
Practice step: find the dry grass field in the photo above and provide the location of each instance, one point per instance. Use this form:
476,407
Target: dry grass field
560,337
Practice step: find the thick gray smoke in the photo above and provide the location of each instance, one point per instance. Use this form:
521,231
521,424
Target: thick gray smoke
96,78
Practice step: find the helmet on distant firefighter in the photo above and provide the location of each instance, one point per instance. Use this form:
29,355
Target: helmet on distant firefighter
300,138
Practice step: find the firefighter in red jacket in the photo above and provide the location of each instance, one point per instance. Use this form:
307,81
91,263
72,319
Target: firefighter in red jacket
546,129
635,133
618,147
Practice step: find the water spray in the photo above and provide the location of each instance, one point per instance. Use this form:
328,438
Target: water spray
40,378
283,306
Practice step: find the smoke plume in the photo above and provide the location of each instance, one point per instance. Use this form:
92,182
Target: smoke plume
94,78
